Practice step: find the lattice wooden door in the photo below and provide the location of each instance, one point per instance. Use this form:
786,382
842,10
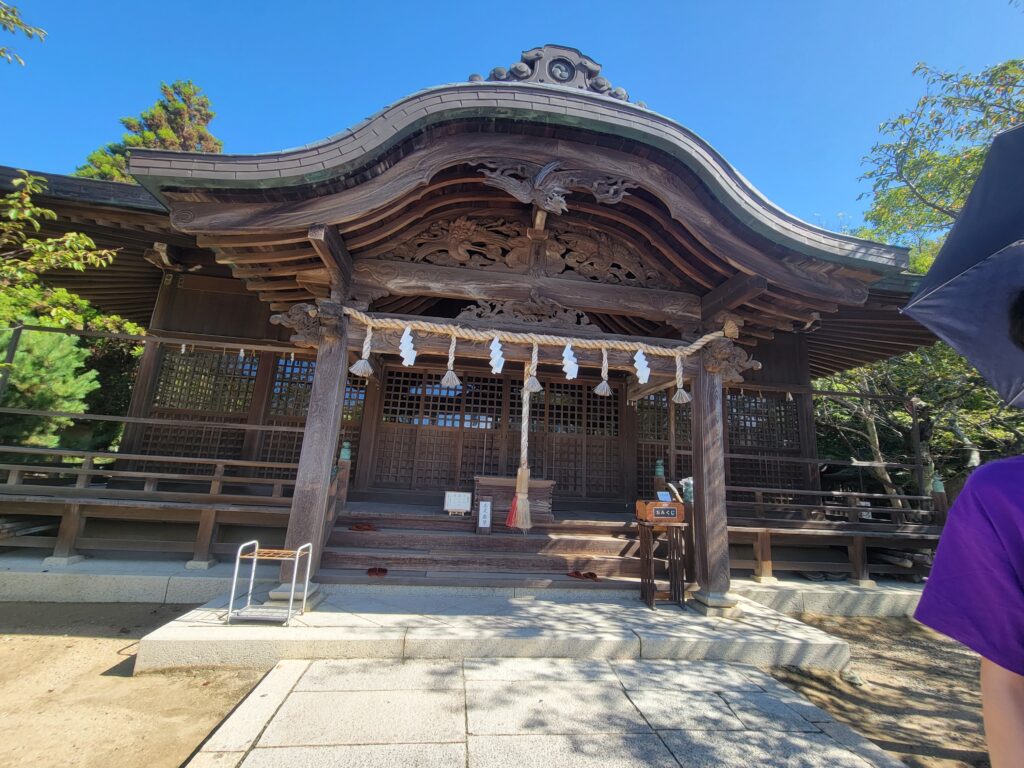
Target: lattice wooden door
434,438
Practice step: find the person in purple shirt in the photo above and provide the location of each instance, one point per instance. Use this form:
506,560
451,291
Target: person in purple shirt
975,593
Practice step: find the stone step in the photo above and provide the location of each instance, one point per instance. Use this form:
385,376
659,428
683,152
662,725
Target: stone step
478,562
461,541
628,586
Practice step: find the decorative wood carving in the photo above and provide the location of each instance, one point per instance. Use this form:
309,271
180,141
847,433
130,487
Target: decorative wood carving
570,251
724,358
557,65
465,242
312,321
546,186
536,311
594,255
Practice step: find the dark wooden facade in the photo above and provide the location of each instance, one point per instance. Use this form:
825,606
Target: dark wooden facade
521,203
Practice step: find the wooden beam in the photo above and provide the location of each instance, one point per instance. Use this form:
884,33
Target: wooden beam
637,391
737,290
332,252
408,279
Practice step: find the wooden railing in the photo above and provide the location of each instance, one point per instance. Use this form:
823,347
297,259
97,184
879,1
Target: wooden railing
72,474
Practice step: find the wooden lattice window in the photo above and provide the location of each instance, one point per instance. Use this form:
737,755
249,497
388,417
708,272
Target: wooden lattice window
484,400
565,408
442,406
403,391
762,422
538,409
603,414
204,380
652,417
293,383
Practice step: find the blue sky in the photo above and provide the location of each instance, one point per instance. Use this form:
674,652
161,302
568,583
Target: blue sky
791,91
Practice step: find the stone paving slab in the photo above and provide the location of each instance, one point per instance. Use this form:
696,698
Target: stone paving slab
381,675
529,713
368,717
361,756
496,708
626,750
636,675
718,749
417,622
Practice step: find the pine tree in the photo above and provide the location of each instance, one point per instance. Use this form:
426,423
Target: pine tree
178,120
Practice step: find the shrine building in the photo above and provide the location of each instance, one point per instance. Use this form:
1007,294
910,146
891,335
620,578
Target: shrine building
339,335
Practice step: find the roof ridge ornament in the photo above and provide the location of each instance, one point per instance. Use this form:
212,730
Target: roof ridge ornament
557,65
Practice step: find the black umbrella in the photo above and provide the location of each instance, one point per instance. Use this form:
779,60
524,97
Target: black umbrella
965,298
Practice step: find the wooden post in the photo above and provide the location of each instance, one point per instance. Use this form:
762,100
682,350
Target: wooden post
307,520
711,533
5,369
858,552
142,396
201,558
368,429
763,558
71,524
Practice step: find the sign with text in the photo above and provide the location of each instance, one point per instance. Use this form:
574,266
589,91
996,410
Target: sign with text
483,518
660,511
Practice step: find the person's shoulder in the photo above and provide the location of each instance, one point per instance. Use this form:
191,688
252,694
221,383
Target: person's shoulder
999,471
997,479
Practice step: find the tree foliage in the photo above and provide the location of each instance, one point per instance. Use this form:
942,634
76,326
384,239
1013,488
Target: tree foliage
178,120
929,157
51,371
11,21
922,171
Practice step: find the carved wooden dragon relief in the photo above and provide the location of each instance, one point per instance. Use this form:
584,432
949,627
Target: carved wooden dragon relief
546,186
537,311
495,243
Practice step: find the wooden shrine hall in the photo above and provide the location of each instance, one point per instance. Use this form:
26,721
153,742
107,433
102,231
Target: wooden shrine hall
523,274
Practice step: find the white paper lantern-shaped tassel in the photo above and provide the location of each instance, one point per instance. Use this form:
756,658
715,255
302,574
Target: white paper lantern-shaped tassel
497,356
451,379
406,349
643,370
569,363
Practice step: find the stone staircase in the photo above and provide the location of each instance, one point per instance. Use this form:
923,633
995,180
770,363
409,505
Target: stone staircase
437,549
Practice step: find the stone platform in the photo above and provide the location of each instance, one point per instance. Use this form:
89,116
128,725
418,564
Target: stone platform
556,713
393,622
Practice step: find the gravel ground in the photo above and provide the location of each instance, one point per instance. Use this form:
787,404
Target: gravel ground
68,698
919,696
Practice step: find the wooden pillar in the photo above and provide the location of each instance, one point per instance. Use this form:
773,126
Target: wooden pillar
327,325
142,396
711,532
720,361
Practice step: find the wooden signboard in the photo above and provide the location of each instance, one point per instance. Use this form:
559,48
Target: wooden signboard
661,511
483,515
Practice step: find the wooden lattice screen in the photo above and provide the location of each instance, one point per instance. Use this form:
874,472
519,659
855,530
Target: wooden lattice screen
200,385
288,404
437,438
763,427
663,432
215,387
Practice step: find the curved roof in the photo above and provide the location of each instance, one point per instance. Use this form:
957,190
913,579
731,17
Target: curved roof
339,156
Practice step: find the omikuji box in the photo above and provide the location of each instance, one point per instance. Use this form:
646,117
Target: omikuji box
661,511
